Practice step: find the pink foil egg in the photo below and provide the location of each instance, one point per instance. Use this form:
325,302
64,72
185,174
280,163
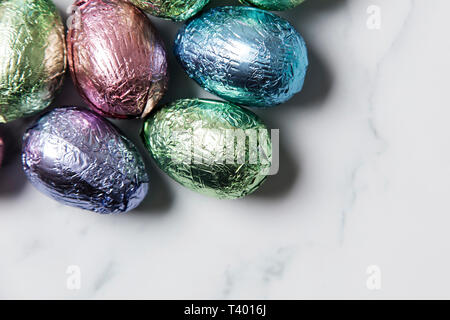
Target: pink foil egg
117,60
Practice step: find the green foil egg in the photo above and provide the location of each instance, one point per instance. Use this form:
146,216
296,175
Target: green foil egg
214,148
177,10
274,5
32,56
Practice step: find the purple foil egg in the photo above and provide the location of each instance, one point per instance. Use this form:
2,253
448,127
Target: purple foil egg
117,60
79,159
2,147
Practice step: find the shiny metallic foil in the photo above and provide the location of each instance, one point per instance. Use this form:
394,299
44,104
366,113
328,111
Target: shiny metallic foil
245,55
2,150
275,5
32,56
196,142
78,158
116,58
177,10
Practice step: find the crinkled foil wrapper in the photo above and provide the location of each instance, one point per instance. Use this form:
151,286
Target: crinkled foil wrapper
245,55
117,60
78,158
2,150
187,139
177,10
275,5
32,56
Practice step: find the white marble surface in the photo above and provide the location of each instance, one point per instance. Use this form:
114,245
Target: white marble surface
364,180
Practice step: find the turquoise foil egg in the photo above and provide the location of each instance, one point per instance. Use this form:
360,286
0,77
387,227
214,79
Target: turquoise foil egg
245,55
275,5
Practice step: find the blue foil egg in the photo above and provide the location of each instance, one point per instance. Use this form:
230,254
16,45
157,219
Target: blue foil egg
245,55
79,159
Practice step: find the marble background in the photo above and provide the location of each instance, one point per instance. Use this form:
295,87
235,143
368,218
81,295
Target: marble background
359,209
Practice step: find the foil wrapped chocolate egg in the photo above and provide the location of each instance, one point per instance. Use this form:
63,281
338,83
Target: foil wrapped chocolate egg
117,60
171,9
76,157
245,55
2,148
214,148
32,56
274,5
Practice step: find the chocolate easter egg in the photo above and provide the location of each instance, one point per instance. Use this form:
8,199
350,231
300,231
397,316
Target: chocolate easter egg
79,159
2,148
32,56
212,147
117,60
275,5
171,9
245,55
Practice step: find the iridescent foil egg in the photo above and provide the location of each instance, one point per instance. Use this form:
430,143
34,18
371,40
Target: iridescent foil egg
76,157
177,10
275,5
116,58
32,56
2,148
212,147
245,55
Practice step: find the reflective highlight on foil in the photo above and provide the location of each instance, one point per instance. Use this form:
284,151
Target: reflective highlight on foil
177,10
275,5
117,60
172,137
244,55
2,150
32,56
81,160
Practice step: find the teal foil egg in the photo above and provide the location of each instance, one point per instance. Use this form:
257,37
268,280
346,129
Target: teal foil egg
245,55
275,5
214,148
177,10
32,56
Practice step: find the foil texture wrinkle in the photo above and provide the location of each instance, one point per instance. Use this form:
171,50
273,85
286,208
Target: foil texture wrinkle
274,5
177,10
117,60
245,55
188,139
2,151
79,159
32,56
